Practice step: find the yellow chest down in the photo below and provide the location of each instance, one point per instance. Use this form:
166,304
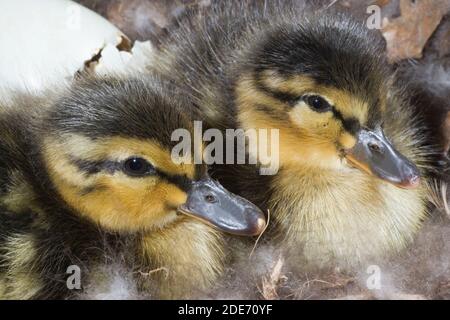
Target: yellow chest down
344,220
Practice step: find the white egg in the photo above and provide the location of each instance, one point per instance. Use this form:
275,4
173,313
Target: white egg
45,43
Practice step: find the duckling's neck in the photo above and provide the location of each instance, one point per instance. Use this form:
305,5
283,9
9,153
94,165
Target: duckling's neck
185,258
343,218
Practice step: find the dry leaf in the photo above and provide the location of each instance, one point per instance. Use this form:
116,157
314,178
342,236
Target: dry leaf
382,3
444,41
443,290
407,35
270,284
165,270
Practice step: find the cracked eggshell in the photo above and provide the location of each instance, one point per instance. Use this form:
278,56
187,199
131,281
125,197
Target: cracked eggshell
45,42
120,62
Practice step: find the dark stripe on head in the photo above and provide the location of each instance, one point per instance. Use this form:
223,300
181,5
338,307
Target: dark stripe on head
351,125
201,171
87,190
273,113
374,114
110,167
181,181
93,167
286,97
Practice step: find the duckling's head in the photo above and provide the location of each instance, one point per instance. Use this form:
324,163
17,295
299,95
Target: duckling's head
323,83
107,149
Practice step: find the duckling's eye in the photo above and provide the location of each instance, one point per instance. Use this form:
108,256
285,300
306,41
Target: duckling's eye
317,103
138,167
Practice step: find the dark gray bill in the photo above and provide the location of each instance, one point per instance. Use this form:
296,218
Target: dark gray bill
213,204
374,154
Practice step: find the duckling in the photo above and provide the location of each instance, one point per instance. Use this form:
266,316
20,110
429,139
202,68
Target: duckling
351,152
87,174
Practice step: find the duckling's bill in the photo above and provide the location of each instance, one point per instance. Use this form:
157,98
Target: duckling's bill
210,202
374,154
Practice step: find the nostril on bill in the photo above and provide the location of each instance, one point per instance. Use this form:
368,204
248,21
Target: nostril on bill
375,147
210,198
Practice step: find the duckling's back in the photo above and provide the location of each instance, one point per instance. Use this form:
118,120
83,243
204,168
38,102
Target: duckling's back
199,52
16,137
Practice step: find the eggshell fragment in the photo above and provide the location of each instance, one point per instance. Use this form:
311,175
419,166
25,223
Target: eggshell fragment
114,61
46,42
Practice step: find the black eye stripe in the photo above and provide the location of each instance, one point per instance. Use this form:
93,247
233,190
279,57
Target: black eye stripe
181,181
110,167
286,97
352,125
93,167
273,113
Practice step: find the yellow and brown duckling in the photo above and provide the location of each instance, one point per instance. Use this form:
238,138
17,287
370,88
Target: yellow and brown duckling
87,174
349,188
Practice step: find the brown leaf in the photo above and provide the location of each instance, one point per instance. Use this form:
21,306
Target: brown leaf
440,43
407,35
382,3
443,290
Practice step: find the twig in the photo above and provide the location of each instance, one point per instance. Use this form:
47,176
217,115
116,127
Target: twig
332,3
444,197
147,274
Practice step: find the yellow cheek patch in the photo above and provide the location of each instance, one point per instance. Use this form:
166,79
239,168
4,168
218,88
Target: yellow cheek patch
121,203
305,135
304,117
297,144
347,141
125,204
115,200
